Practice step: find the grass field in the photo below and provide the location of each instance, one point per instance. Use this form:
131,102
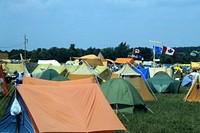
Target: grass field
171,115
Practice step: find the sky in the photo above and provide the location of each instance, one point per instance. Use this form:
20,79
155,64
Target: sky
98,23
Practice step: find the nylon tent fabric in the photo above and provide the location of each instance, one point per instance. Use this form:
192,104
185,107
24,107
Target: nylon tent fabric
103,72
143,71
66,109
142,89
49,74
36,81
187,80
154,70
119,92
9,123
193,95
59,78
163,83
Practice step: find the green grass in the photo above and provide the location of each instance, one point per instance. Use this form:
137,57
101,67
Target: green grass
171,115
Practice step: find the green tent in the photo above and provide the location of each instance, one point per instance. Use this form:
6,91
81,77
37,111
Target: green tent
122,95
49,74
163,83
59,78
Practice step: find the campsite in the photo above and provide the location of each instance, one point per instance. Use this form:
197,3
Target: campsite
85,95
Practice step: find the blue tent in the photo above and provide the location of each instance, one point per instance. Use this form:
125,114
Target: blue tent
187,80
143,71
19,123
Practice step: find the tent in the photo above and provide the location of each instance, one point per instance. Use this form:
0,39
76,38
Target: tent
124,60
125,72
103,71
59,78
187,80
154,70
163,83
61,108
193,95
49,74
91,59
84,71
143,71
122,95
50,62
12,67
3,85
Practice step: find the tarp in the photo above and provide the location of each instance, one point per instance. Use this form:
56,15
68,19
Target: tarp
193,95
122,95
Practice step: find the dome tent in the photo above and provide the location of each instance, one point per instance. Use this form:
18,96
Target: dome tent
122,95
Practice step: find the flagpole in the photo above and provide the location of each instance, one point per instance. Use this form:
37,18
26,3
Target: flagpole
154,55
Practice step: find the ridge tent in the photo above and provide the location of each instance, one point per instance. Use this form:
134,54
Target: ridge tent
37,72
163,83
62,109
154,70
36,81
122,96
84,71
193,95
103,72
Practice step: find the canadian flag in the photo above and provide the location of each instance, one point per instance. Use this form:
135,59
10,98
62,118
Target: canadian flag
168,51
136,50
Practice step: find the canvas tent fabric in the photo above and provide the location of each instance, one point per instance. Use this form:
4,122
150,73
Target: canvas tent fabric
74,112
52,62
122,95
163,83
125,71
12,67
103,71
154,70
91,59
193,95
84,71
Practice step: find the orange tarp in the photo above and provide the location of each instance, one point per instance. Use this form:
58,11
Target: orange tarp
124,60
3,85
36,81
76,108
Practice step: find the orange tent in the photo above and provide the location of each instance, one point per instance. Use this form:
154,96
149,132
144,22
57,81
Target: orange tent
36,81
3,84
124,60
76,108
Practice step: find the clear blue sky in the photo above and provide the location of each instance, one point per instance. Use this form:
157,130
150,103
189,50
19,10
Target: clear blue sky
98,23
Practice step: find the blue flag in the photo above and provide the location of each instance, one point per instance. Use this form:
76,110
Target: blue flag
157,49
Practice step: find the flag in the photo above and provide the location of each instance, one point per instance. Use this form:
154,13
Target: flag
168,51
137,51
157,50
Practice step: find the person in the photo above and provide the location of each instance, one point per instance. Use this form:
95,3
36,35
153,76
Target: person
18,77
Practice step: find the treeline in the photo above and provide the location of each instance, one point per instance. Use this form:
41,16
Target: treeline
122,50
